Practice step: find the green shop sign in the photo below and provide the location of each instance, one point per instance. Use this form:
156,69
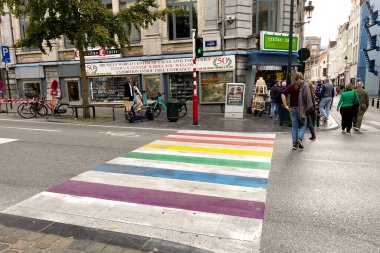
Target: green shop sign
277,41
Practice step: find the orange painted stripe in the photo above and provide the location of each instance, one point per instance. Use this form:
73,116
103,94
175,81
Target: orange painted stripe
226,136
233,143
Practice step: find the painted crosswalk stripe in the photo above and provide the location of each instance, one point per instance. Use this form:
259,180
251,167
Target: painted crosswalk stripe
232,207
200,160
6,140
184,175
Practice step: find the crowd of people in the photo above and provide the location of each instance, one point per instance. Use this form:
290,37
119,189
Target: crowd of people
309,101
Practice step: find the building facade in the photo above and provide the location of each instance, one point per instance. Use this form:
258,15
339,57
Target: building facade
313,43
160,59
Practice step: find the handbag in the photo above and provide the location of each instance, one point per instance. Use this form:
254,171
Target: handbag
355,101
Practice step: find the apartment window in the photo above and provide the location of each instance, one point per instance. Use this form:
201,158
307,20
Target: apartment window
185,19
264,16
68,44
135,35
24,21
108,4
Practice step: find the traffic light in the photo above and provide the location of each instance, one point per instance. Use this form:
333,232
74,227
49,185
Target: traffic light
198,47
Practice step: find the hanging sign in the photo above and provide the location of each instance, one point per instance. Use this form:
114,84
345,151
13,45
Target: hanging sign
271,41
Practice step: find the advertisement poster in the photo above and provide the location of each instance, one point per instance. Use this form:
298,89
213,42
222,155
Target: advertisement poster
235,104
235,94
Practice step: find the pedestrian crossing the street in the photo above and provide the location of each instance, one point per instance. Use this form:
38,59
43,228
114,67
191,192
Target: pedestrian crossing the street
5,140
201,188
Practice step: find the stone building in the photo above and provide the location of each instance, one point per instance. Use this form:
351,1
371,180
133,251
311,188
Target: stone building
160,56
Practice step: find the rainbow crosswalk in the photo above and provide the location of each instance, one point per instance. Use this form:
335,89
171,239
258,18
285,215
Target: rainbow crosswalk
200,188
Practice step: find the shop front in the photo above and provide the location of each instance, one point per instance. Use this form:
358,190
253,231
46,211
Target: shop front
30,81
173,77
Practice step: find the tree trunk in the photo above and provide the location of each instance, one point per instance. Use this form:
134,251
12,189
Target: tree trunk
84,88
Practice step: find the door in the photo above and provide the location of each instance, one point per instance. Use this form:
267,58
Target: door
73,91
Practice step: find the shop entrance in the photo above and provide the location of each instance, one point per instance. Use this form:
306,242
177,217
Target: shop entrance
270,74
73,91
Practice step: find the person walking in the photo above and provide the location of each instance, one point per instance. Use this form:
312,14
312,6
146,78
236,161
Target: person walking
327,95
274,93
298,126
363,106
128,89
312,115
347,107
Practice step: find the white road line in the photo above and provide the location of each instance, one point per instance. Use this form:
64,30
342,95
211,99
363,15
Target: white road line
32,129
5,140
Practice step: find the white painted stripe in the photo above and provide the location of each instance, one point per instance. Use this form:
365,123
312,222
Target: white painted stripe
55,206
366,128
206,145
219,139
205,155
238,134
193,167
377,123
182,186
32,129
5,140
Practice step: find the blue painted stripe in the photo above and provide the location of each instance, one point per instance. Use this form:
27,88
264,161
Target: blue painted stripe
184,175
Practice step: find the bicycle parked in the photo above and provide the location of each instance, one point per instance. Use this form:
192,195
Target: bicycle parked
40,108
159,104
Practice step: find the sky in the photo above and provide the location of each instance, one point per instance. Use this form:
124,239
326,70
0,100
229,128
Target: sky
327,16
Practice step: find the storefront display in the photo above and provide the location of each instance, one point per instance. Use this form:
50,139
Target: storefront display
73,90
152,85
109,88
181,86
213,86
32,89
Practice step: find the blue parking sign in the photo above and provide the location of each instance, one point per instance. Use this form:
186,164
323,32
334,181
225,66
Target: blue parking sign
6,55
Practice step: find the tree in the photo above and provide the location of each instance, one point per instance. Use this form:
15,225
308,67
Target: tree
86,23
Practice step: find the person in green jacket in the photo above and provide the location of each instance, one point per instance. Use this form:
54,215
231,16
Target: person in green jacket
347,107
363,106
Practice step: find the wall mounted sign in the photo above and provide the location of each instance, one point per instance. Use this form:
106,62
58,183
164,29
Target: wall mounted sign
268,67
221,63
99,53
211,43
271,41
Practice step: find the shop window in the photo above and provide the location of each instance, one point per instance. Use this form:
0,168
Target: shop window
264,16
32,90
213,86
152,86
24,21
73,90
109,88
184,20
181,86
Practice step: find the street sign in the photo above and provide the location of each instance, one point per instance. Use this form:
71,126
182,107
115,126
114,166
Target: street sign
54,93
2,85
211,43
6,56
1,92
54,85
303,54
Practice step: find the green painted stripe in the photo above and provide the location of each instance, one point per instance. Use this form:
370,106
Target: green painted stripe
199,160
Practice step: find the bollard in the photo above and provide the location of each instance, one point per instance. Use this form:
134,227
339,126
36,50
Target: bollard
378,103
373,101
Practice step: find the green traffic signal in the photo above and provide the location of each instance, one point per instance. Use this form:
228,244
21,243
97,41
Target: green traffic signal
198,47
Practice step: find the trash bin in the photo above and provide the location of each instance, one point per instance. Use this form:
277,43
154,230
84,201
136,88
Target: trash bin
173,110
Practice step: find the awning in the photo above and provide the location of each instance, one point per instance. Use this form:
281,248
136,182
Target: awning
270,59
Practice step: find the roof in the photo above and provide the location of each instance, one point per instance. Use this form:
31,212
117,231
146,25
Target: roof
322,56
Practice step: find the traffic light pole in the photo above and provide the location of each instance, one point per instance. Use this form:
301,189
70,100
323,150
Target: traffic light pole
195,94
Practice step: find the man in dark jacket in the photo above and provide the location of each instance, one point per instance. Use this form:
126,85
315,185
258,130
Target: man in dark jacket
326,99
128,90
274,94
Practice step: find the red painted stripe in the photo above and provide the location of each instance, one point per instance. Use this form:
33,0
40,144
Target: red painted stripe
233,143
208,204
226,136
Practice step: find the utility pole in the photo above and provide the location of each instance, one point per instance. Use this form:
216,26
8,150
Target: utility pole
195,94
290,56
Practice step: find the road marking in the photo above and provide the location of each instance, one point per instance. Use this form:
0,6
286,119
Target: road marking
121,134
374,122
202,187
5,140
32,129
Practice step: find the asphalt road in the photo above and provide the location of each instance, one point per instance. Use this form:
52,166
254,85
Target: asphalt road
323,199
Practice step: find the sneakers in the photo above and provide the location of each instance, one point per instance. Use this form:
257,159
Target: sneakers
312,138
295,147
356,129
299,143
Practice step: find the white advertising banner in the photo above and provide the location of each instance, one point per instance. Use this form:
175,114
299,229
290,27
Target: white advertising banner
161,66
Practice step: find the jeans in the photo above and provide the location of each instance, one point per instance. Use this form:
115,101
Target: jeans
296,124
273,108
324,107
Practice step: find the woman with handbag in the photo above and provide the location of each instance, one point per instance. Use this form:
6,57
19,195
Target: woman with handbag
348,105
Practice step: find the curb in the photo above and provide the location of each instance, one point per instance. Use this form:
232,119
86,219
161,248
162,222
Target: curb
128,241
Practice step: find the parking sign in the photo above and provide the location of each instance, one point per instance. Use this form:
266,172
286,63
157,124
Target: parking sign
6,56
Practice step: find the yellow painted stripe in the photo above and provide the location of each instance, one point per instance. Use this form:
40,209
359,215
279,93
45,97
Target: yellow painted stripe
209,150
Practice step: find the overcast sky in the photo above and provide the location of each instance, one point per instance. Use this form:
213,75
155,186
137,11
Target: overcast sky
327,16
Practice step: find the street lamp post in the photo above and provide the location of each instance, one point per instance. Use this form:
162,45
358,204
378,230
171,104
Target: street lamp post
309,13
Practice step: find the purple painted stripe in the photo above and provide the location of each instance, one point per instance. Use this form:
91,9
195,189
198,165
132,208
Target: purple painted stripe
232,207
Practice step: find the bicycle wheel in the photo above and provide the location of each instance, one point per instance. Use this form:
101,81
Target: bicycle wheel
156,110
41,110
26,111
63,110
182,110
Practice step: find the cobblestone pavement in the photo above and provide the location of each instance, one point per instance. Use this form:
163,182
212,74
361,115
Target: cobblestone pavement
19,234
